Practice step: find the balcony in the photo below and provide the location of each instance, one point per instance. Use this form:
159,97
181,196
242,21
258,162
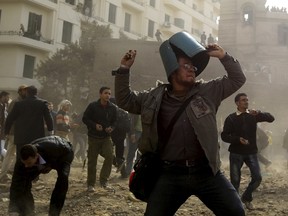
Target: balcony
136,5
169,28
176,5
27,40
46,4
192,11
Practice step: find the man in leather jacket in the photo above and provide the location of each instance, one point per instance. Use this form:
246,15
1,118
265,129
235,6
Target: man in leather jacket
40,157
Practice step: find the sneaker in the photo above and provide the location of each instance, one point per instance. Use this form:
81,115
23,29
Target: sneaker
248,205
91,189
107,187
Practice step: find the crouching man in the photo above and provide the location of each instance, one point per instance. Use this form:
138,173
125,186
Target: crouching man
41,156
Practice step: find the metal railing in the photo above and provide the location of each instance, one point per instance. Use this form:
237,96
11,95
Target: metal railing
33,36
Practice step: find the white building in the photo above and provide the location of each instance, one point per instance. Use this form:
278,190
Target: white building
32,30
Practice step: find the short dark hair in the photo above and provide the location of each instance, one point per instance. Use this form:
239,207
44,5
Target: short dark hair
27,151
31,90
237,97
4,94
103,89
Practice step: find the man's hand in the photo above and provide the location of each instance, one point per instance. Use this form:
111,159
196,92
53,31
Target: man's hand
253,112
128,59
109,130
214,50
99,127
51,133
244,141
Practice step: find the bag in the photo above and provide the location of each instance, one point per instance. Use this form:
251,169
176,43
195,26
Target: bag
145,175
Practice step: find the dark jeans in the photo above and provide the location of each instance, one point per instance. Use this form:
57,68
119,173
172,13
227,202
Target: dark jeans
21,198
236,163
132,148
176,184
118,138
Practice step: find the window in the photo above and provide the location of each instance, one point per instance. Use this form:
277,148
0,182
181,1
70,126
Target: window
112,13
283,34
127,22
34,24
167,18
179,23
87,8
0,16
72,2
151,28
248,15
153,3
29,63
67,32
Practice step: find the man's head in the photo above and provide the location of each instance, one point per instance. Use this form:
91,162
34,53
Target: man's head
241,100
185,75
31,90
105,94
29,155
22,91
4,97
179,44
50,106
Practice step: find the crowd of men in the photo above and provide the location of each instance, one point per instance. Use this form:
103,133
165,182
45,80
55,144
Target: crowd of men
44,139
36,139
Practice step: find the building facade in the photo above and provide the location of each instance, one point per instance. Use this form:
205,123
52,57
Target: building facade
258,36
32,30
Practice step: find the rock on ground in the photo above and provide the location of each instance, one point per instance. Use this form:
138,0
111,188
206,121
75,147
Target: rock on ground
270,199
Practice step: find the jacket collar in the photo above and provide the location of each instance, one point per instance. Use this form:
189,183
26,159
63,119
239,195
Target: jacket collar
239,113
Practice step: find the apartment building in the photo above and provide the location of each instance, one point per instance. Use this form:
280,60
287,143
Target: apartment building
32,30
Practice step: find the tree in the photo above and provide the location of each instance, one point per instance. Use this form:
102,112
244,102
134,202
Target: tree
65,75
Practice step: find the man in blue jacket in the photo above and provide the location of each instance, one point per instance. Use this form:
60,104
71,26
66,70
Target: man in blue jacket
40,157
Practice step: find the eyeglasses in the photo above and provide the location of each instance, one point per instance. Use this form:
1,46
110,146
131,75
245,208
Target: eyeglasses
189,67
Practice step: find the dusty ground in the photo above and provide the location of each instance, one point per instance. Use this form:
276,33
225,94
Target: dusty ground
270,199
